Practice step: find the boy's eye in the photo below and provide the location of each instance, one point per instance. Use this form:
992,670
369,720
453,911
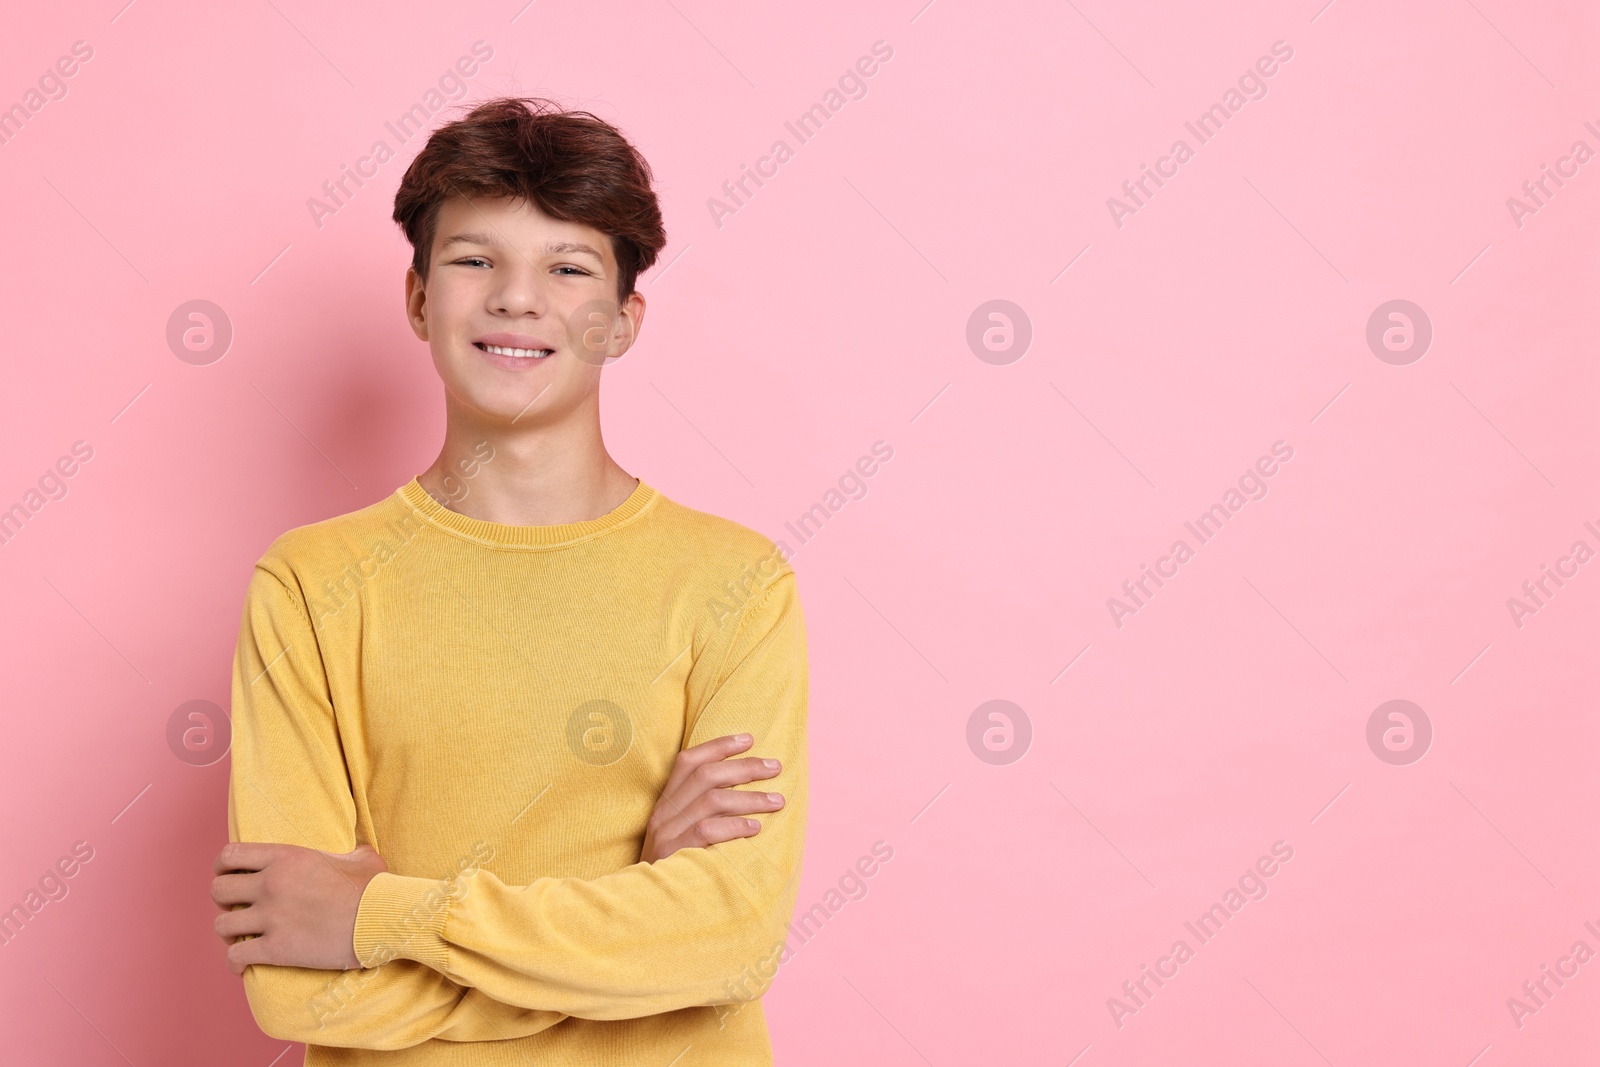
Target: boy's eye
568,270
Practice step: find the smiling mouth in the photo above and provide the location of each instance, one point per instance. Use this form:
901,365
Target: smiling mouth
515,353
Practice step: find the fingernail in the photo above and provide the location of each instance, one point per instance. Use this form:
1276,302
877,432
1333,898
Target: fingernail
743,739
774,798
752,824
770,764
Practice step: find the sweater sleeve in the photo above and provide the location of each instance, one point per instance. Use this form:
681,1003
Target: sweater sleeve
289,785
696,928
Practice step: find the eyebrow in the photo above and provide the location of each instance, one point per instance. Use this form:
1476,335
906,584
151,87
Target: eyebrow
555,248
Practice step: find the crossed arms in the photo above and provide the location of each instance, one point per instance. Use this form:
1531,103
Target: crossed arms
472,958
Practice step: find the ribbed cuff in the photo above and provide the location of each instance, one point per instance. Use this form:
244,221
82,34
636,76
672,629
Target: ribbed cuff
402,918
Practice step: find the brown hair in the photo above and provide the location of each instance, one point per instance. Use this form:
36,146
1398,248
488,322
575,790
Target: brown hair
574,166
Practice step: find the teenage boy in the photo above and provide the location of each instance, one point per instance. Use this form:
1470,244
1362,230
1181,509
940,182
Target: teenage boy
483,783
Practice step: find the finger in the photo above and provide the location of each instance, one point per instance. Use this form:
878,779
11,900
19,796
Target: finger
718,802
732,802
361,851
710,832
244,856
242,954
718,748
230,889
729,772
674,803
715,831
232,924
711,751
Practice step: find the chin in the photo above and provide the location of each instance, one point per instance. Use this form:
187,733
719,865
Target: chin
505,405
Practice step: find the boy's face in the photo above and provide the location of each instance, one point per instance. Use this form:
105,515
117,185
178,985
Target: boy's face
504,280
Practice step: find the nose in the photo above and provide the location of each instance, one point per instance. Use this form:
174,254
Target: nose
520,291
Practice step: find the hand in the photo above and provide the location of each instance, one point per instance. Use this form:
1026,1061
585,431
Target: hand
699,807
293,906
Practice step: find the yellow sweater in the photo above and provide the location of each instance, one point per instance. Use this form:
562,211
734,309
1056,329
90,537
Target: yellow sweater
496,709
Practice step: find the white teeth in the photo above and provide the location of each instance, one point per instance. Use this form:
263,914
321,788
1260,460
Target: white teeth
519,353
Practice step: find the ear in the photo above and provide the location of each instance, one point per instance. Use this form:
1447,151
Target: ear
416,304
630,320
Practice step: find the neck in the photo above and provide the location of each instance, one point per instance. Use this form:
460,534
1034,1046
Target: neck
538,475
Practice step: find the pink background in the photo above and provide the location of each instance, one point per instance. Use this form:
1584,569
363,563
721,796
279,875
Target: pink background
830,312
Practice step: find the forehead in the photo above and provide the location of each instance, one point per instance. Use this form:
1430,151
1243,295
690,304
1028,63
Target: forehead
519,224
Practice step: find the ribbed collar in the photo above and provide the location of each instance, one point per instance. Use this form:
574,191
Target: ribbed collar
497,533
